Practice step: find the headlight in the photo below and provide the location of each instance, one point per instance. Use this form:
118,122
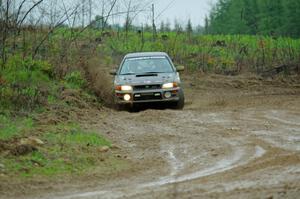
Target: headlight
123,88
170,85
126,88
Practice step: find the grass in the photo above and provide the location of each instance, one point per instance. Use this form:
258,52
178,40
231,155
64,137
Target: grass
68,149
203,51
73,135
27,84
14,128
29,87
208,53
75,80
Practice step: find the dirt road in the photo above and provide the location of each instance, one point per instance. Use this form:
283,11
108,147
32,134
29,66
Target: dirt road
237,138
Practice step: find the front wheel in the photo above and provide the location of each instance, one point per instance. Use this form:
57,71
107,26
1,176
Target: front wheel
180,103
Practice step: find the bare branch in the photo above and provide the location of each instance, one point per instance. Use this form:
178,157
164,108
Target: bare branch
60,22
111,9
26,14
19,10
101,18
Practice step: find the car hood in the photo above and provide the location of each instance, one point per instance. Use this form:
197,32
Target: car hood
159,78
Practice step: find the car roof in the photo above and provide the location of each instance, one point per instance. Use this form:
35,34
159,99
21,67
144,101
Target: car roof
146,54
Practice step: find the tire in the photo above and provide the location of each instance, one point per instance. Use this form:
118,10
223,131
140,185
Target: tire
134,108
180,103
118,107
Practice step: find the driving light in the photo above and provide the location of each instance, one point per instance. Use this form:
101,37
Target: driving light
169,85
168,94
127,97
126,88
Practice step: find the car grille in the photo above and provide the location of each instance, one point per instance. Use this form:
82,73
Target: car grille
147,96
147,87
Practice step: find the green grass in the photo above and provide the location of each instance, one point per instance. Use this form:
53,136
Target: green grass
14,128
199,52
73,135
26,83
75,80
68,149
196,52
202,52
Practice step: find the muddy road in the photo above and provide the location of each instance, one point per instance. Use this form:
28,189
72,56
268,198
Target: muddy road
236,138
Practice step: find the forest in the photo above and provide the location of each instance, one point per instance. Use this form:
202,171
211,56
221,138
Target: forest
263,17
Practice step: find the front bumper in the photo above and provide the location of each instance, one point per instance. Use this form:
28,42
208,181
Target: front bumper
147,96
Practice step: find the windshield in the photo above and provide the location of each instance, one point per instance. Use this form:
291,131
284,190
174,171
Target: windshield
144,65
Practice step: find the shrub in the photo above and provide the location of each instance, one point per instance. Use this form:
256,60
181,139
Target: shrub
25,84
75,80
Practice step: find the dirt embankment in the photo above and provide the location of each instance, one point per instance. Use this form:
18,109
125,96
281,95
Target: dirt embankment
238,137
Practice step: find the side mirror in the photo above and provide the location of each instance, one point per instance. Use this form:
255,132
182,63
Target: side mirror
113,72
180,68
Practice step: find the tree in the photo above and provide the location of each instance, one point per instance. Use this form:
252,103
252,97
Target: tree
200,29
147,28
162,27
189,27
12,20
291,20
99,22
268,17
206,25
251,16
271,15
177,26
168,26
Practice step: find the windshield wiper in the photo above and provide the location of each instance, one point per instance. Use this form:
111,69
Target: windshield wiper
145,73
153,72
128,74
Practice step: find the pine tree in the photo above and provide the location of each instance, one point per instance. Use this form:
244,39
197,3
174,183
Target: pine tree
189,27
206,25
271,15
236,23
168,26
162,27
292,18
177,26
251,12
200,29
268,17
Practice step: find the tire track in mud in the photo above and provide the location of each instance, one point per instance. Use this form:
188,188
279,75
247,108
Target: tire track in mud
228,163
235,131
221,166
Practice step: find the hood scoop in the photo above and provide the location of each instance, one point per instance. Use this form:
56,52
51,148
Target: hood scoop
147,75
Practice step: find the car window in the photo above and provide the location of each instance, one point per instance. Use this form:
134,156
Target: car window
143,65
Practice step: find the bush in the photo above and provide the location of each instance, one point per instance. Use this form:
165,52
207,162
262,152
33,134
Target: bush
75,80
26,71
25,84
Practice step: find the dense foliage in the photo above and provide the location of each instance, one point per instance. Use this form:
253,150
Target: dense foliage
268,17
